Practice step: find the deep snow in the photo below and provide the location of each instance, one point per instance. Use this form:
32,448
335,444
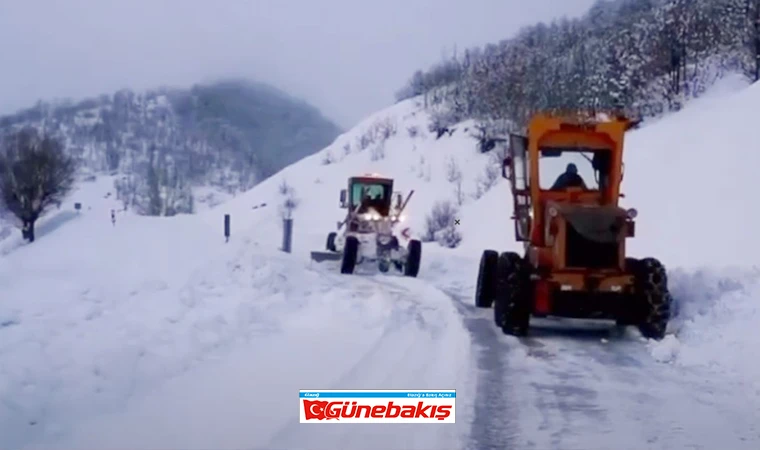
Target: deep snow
156,334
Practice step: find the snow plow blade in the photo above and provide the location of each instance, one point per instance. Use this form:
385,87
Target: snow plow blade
325,256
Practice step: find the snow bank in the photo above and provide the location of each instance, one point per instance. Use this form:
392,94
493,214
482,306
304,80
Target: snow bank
716,324
90,315
692,175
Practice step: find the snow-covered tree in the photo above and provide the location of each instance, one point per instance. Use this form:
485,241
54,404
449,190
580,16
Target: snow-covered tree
454,176
638,56
35,174
440,225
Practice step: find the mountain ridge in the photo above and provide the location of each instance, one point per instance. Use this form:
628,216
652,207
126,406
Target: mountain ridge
167,143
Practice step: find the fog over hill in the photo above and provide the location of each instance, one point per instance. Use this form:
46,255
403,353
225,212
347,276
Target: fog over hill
178,148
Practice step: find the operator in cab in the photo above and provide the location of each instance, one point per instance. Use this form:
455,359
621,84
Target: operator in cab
370,201
569,178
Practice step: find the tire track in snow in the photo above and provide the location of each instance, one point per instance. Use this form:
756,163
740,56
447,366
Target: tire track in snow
563,395
494,424
397,320
409,350
667,406
551,385
599,388
527,396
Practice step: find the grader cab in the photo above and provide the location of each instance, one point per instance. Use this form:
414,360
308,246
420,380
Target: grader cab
565,178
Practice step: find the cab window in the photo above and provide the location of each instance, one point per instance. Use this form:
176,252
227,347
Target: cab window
560,169
377,191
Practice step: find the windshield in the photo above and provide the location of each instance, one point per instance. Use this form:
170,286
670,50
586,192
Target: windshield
562,169
378,193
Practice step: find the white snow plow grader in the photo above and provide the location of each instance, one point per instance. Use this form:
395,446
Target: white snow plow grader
368,233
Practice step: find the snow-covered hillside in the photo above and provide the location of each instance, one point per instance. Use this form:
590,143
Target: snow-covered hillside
174,147
396,143
155,333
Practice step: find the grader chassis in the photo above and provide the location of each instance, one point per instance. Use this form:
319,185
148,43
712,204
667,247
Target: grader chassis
368,234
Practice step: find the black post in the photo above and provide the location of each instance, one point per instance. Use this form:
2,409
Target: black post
287,234
226,228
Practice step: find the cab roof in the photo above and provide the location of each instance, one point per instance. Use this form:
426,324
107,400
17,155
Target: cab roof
372,177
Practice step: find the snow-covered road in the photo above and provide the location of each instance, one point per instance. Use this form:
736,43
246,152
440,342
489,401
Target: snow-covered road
255,327
304,328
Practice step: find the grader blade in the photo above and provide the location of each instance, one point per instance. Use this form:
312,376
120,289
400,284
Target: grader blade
325,256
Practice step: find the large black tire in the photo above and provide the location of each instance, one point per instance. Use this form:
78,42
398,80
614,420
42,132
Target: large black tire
350,255
330,245
399,265
485,290
413,258
653,299
630,316
512,305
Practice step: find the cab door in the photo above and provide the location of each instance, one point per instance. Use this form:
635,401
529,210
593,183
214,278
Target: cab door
515,169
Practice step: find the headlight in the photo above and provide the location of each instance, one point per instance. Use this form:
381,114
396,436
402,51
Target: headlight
632,213
401,218
375,216
553,211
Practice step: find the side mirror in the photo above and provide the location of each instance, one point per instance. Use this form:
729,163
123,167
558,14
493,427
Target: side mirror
506,168
343,194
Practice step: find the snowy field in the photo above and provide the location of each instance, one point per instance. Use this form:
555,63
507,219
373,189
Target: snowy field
155,333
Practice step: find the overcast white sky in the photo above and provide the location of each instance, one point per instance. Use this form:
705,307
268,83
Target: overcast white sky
346,57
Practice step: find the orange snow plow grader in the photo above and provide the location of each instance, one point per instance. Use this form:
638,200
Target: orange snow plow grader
574,233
